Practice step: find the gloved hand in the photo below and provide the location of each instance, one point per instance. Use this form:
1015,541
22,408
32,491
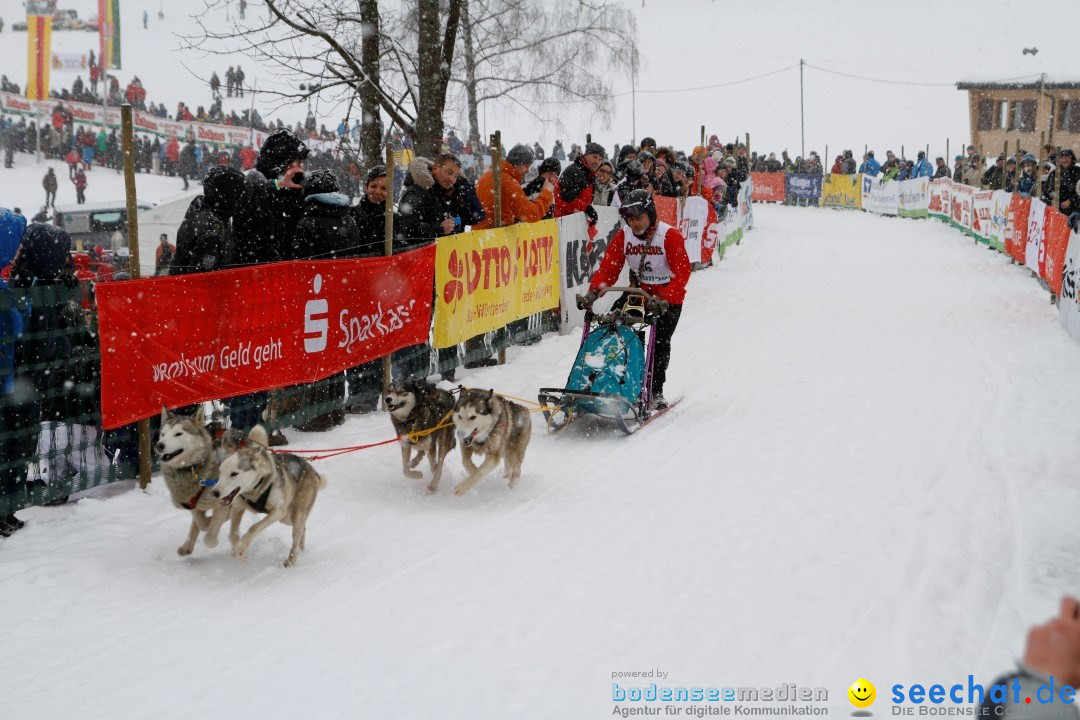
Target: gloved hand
585,302
590,213
656,306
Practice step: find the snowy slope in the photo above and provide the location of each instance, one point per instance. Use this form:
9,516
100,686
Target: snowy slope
686,44
872,476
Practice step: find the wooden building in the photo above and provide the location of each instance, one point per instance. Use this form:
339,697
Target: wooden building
1027,111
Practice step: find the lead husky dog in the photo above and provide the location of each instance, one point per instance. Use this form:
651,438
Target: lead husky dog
494,427
190,458
416,406
281,486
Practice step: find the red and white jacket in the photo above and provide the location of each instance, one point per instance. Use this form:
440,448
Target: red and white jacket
663,274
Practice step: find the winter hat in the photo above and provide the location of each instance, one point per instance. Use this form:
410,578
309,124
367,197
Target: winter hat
1068,153
1029,158
45,250
550,165
595,149
922,154
375,173
626,150
279,149
520,155
647,142
320,182
222,189
645,155
634,171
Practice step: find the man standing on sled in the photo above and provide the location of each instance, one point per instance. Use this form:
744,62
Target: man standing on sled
659,265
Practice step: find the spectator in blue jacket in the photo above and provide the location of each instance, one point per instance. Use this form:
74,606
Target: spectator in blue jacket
1027,176
870,165
922,167
905,170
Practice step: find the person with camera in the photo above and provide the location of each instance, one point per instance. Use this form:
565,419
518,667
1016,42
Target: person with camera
659,265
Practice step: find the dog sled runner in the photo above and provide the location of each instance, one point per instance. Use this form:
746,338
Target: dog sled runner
612,375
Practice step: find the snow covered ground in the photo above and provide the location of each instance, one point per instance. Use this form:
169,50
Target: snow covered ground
872,475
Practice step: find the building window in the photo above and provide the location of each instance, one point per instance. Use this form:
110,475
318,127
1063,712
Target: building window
1003,115
1023,116
986,115
1069,120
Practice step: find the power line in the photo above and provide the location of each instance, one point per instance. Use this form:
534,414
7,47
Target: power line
879,80
681,90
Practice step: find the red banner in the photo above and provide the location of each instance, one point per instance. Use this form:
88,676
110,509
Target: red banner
1057,243
179,340
768,186
1016,241
667,210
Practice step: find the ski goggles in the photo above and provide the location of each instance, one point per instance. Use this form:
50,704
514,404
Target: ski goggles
635,209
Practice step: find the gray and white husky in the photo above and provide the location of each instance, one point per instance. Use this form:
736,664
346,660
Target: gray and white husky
279,485
490,425
416,406
189,458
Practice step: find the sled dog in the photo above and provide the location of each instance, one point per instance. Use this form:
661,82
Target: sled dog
494,427
281,486
415,406
189,458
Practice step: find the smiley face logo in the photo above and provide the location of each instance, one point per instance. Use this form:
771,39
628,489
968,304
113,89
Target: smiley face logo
862,693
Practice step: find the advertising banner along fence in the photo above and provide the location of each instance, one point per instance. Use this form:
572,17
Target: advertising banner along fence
769,187
220,339
486,279
841,191
913,200
800,186
881,198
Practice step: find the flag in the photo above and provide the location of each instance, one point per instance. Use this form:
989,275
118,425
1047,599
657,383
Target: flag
38,39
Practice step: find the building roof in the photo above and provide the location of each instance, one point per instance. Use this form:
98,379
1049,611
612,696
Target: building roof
1053,65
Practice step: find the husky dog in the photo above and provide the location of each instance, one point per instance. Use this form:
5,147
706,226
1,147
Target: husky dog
492,426
415,406
281,486
190,458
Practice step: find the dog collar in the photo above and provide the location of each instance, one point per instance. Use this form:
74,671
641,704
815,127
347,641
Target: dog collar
208,482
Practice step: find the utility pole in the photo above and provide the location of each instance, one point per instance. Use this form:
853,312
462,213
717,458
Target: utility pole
802,108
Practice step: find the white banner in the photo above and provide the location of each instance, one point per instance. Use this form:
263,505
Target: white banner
913,200
746,206
982,214
880,197
941,199
999,219
1035,252
698,226
963,198
70,62
1068,307
581,258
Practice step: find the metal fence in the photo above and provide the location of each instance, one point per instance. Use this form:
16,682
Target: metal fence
51,442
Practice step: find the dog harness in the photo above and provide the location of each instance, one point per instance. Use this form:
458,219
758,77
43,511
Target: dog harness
259,504
203,484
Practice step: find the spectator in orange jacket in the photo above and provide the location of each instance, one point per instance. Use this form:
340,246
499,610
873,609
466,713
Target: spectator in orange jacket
516,206
248,157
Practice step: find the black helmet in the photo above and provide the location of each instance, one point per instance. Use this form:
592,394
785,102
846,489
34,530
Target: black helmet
637,203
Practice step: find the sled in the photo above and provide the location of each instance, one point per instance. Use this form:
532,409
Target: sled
612,374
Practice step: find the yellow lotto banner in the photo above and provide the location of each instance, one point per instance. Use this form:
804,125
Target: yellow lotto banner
841,191
488,278
39,41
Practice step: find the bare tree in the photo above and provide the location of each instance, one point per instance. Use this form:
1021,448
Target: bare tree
335,49
542,53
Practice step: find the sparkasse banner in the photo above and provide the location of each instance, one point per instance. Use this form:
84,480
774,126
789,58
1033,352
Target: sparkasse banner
215,335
